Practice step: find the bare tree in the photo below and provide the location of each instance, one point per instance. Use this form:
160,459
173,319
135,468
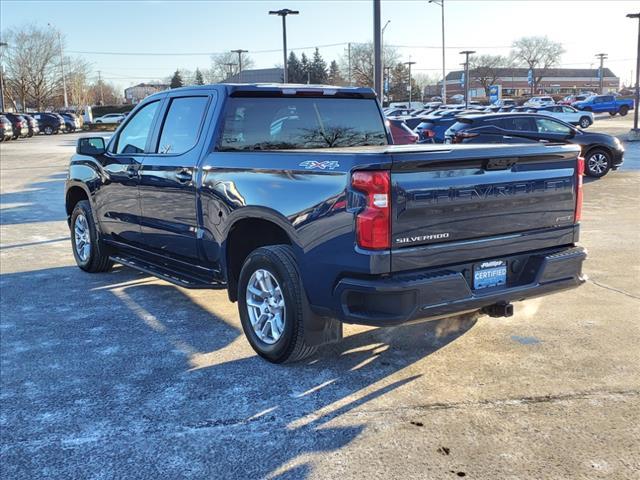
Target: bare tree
101,89
485,69
78,72
225,65
362,62
539,54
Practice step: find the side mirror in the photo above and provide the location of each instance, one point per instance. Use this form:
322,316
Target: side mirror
91,146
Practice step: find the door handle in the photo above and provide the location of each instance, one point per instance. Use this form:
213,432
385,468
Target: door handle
184,175
131,171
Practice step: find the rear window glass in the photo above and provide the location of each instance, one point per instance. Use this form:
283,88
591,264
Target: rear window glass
299,123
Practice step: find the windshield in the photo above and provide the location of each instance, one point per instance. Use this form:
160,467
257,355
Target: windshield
261,123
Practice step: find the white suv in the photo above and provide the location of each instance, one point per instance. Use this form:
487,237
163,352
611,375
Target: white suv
539,102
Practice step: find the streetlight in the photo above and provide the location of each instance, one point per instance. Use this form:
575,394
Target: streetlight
444,83
283,13
64,80
466,76
239,52
601,56
409,64
2,44
634,135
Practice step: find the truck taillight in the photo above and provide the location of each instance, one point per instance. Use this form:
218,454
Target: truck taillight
579,194
373,223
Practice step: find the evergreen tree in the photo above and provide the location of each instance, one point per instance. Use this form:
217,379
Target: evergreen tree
335,77
176,80
318,69
304,67
294,69
198,79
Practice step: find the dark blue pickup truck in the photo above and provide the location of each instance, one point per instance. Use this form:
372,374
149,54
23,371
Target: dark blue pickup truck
293,200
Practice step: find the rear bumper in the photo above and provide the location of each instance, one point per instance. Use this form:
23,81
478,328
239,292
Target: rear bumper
435,293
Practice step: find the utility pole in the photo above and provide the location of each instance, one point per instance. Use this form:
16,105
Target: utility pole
444,83
64,80
2,44
283,13
601,56
466,53
634,135
377,50
384,69
100,85
409,64
349,61
239,52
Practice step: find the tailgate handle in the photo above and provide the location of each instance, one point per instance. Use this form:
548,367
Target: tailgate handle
500,163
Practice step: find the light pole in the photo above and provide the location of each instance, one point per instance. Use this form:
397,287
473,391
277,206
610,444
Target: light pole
64,80
409,64
239,52
444,83
601,56
635,133
2,44
230,66
382,56
466,76
283,13
377,50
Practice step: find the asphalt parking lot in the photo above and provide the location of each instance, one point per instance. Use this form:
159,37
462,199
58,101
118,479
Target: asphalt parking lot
119,375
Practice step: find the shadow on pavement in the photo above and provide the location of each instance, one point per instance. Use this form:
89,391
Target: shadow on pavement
118,365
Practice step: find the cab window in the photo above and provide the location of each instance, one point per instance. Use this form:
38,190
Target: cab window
133,137
182,125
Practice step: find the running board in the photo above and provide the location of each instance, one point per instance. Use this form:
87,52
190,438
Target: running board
177,278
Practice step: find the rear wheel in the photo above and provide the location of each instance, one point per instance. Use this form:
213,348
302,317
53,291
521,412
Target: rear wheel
598,163
623,110
48,130
88,249
271,305
585,122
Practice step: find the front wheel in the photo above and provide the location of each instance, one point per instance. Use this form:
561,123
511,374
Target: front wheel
623,110
88,249
48,130
271,305
585,122
598,163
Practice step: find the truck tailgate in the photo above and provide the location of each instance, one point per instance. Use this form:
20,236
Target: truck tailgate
463,195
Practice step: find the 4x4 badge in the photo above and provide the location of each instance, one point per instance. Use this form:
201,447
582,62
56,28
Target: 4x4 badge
327,165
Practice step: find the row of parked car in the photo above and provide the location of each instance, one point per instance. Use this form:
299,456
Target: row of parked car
610,104
507,124
23,125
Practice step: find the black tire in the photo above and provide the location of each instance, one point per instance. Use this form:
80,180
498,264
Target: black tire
593,163
279,261
585,122
97,259
613,114
624,110
48,130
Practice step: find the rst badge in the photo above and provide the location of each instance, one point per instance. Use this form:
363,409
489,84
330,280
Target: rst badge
326,165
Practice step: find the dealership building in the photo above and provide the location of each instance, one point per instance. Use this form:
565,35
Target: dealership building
514,81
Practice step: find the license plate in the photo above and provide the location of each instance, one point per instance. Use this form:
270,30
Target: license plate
490,274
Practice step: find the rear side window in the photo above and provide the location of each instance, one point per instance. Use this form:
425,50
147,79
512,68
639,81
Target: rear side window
133,137
546,125
260,123
523,124
182,125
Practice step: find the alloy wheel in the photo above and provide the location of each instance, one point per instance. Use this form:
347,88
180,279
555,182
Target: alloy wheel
266,306
82,237
598,163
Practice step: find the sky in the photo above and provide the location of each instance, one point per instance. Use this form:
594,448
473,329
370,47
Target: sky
166,35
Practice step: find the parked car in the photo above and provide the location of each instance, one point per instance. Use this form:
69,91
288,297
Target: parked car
32,123
113,118
306,234
569,114
438,124
601,152
605,103
50,123
506,102
539,102
19,125
401,133
570,99
71,122
6,129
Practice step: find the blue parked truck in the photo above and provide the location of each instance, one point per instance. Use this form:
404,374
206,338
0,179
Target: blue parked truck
605,103
293,200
